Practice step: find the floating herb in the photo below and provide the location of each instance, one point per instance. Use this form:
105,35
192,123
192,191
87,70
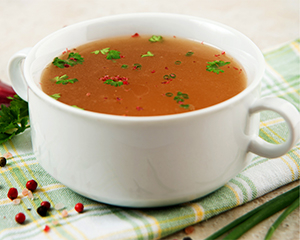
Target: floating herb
74,106
185,106
215,66
155,38
124,66
64,80
113,83
188,54
96,52
148,54
73,59
178,62
137,66
104,50
55,96
113,54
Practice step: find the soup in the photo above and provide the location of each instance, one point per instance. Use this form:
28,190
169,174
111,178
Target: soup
143,76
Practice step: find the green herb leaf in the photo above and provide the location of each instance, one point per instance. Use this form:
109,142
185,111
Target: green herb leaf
55,96
13,119
104,50
178,62
185,106
74,106
215,66
148,54
96,52
64,80
73,59
113,54
124,66
137,66
113,83
155,38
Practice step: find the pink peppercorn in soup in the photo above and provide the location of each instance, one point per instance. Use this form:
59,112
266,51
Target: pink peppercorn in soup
143,76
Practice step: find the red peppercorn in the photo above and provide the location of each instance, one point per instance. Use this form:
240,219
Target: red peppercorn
79,207
12,193
47,228
31,185
20,217
46,204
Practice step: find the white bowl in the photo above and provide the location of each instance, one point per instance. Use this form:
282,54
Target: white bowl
148,161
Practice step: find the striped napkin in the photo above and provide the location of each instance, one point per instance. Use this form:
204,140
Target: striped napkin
101,221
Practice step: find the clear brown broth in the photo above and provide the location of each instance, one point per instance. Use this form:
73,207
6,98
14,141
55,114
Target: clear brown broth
147,93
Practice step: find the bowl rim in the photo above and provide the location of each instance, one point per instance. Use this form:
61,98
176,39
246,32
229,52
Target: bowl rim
95,115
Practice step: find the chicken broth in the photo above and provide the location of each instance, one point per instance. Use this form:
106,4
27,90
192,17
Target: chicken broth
143,76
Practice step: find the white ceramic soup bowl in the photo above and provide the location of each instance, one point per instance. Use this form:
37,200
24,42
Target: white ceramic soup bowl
148,161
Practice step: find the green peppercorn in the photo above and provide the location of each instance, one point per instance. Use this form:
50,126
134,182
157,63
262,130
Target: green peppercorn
2,161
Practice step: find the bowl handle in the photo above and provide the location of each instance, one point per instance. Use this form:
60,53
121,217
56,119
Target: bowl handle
15,72
291,116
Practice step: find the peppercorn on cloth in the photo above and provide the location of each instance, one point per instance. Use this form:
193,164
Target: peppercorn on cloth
101,221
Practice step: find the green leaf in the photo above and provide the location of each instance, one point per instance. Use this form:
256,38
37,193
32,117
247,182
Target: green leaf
13,119
113,83
185,106
124,66
64,80
73,59
104,50
137,66
155,38
113,54
148,54
215,66
96,52
74,106
55,96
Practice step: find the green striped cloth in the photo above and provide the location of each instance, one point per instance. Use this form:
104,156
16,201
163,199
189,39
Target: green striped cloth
100,221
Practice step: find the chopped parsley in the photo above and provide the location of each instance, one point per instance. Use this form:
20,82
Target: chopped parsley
148,54
137,66
215,66
113,54
124,66
73,59
55,96
64,80
74,106
113,83
155,38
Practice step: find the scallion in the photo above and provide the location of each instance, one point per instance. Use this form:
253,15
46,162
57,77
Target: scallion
250,219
